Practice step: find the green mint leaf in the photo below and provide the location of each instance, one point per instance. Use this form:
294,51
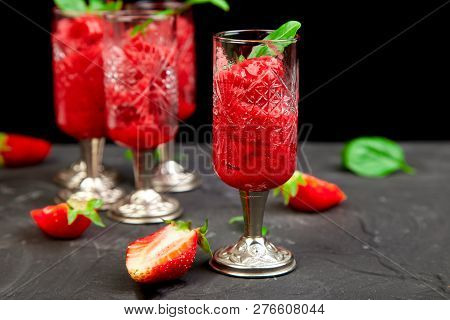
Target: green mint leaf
240,219
222,4
128,154
236,219
96,5
285,32
264,231
374,157
140,28
113,6
71,5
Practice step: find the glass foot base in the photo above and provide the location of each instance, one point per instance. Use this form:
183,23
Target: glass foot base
146,206
253,257
170,176
72,177
91,188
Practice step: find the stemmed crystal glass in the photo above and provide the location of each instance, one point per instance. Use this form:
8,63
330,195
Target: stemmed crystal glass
254,139
80,103
169,175
141,103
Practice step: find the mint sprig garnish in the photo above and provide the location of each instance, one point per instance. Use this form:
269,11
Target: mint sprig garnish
290,188
91,6
286,32
140,28
87,209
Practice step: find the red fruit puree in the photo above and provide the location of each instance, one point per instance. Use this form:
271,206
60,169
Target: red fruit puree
141,93
78,76
186,66
255,124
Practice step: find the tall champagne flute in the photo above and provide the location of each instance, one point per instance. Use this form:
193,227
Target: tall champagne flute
80,103
169,175
254,139
141,103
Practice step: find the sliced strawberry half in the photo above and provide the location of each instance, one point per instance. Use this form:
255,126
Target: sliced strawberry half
166,254
307,193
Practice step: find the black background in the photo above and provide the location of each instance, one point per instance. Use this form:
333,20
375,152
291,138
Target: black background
400,90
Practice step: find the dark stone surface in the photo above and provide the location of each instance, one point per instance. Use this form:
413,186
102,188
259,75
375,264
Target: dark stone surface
390,240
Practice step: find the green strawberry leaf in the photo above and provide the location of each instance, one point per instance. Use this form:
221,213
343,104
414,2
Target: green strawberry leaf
204,228
240,219
290,188
180,225
286,32
374,157
3,145
71,5
87,209
204,244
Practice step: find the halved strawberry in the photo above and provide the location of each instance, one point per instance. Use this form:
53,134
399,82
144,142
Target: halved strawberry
306,193
68,220
166,254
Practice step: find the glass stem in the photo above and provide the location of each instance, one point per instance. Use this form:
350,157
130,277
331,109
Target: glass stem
92,154
253,205
166,151
143,165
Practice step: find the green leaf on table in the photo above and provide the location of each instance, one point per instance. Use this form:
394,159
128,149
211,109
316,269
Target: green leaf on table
290,188
128,154
240,219
71,5
286,32
374,157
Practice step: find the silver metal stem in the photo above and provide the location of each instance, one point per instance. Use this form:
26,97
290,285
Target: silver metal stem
253,205
92,154
253,256
143,165
166,151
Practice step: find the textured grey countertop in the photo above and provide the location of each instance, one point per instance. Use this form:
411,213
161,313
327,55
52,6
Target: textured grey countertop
389,240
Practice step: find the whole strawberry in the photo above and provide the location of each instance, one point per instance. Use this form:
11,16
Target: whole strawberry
68,220
166,254
306,193
19,151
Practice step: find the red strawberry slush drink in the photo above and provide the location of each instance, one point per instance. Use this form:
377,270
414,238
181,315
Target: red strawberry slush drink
254,139
141,102
79,98
169,175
